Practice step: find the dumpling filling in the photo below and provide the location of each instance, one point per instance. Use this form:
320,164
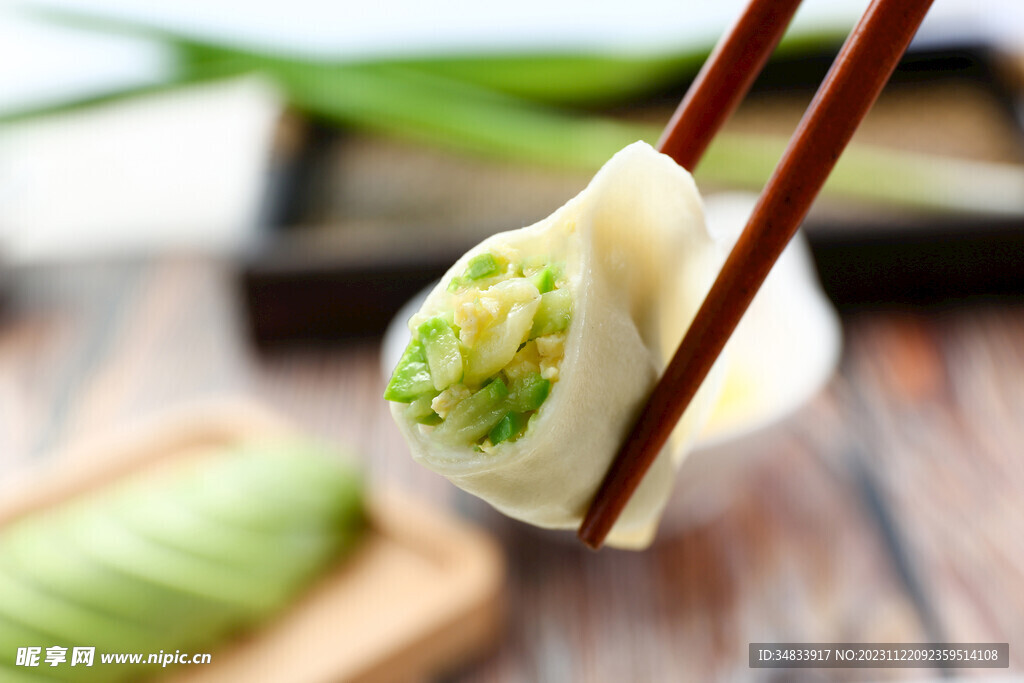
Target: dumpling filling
476,373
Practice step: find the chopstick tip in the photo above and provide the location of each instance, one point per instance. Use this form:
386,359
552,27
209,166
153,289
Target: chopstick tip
591,532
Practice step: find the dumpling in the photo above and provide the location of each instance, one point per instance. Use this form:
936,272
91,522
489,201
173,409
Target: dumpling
532,357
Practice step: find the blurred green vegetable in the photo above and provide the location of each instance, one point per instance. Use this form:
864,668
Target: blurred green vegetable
176,562
525,108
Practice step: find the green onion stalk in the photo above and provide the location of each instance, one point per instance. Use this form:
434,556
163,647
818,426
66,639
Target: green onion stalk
537,109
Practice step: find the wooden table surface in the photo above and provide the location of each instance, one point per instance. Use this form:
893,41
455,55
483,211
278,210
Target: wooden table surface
889,509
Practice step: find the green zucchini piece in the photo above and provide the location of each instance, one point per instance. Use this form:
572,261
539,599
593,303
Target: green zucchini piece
421,411
544,280
554,313
159,518
509,427
481,266
68,622
411,378
499,344
441,348
475,416
529,392
32,553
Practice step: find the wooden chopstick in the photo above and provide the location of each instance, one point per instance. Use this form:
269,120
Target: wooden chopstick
724,79
861,69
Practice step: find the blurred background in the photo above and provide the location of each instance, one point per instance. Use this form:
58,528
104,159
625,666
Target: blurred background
212,200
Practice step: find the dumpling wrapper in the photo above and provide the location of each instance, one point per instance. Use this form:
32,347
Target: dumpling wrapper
639,261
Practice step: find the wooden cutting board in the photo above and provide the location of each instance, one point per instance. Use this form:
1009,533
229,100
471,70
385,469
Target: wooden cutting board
420,595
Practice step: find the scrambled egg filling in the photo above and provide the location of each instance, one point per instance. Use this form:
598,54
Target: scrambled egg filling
477,374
